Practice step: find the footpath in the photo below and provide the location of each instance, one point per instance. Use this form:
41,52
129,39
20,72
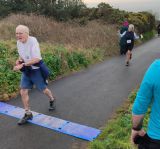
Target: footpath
89,98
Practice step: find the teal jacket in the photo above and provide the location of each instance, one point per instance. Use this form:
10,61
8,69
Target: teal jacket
149,95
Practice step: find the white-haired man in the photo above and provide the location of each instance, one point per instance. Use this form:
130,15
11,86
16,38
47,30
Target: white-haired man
29,55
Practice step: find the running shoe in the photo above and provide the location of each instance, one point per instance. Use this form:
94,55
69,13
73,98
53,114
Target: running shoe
127,63
25,118
52,105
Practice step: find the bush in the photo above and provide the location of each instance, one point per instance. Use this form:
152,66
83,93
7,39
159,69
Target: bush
59,60
8,79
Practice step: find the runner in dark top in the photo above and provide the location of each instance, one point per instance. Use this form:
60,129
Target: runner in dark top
129,37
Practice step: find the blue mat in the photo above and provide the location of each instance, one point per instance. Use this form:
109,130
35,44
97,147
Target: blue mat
63,126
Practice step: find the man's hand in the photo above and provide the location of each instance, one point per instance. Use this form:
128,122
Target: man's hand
18,67
134,133
19,61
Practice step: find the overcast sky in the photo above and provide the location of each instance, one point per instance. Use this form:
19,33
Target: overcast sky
130,5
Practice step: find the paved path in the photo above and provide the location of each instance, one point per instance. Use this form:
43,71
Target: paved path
88,97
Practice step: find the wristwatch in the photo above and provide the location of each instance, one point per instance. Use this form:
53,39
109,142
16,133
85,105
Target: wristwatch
137,128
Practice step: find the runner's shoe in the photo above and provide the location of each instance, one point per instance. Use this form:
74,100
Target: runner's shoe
25,118
127,63
52,104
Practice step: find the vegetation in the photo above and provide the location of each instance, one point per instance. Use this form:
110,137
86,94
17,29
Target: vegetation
59,9
8,78
59,60
64,10
70,34
116,134
80,37
66,46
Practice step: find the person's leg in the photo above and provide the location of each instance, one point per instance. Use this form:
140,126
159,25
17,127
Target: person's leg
127,57
47,92
41,85
25,99
52,102
26,84
130,55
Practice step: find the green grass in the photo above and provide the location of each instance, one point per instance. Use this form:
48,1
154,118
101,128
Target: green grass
116,133
60,60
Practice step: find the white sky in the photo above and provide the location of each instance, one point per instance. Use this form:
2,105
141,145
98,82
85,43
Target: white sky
130,5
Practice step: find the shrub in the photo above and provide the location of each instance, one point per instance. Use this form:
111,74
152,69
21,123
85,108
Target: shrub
58,59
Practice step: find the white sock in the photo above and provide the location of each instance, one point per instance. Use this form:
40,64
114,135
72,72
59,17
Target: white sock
52,99
28,111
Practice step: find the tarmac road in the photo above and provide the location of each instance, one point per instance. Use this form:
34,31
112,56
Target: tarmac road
88,97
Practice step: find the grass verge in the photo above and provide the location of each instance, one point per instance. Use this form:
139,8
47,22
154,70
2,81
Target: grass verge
116,133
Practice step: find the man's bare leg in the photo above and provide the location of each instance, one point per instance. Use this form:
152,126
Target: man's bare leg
52,105
25,99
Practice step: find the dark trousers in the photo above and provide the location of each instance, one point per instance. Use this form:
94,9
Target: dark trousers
149,143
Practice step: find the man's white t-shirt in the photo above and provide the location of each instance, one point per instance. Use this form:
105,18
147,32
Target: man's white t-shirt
29,50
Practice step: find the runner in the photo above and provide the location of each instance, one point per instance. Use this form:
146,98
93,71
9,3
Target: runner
123,29
29,63
129,37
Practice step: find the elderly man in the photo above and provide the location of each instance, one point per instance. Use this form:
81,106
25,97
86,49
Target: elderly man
29,56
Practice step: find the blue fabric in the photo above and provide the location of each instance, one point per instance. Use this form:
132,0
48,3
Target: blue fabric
149,95
44,70
34,78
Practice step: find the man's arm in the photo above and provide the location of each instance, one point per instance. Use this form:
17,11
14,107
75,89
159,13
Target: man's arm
143,99
19,64
32,62
137,123
19,61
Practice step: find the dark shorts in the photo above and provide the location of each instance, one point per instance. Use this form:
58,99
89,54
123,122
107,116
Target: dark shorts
33,78
129,47
148,143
